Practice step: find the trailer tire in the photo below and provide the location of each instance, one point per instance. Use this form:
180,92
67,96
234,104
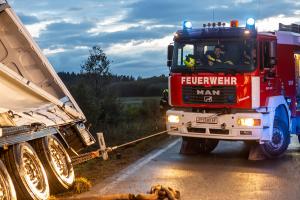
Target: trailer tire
192,145
7,187
57,163
27,172
280,140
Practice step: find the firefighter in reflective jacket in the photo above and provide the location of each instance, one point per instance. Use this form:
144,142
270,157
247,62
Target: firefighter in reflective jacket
217,57
190,61
164,102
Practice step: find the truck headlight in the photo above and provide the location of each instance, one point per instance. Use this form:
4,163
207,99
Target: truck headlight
248,122
173,119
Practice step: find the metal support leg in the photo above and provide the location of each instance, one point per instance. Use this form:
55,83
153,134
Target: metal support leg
102,146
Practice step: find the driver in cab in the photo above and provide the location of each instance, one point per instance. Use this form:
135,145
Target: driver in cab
217,57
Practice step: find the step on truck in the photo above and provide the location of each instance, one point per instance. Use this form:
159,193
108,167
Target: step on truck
235,83
41,124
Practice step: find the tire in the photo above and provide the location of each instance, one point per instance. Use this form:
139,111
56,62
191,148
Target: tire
57,163
7,189
27,172
280,140
198,145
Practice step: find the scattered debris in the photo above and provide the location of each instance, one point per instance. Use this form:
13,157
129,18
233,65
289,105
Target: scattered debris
157,192
82,185
52,198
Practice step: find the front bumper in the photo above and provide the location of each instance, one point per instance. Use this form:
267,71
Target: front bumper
226,126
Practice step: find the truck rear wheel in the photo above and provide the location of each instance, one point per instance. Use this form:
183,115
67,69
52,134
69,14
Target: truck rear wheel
198,145
279,142
7,189
57,163
27,172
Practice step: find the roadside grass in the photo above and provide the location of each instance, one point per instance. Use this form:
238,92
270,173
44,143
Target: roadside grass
81,185
140,117
136,100
97,170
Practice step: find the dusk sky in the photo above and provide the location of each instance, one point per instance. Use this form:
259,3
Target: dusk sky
134,33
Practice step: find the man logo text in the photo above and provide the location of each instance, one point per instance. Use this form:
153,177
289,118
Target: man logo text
209,92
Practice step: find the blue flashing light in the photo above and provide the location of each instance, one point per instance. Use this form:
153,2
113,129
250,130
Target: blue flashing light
250,24
187,25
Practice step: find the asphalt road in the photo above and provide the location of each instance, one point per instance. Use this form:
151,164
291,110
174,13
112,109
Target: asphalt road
224,174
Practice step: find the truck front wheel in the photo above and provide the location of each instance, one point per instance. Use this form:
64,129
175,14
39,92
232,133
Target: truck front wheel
279,142
27,172
198,145
7,189
57,163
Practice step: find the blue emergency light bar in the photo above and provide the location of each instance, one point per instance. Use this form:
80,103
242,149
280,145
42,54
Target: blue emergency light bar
187,25
214,33
250,24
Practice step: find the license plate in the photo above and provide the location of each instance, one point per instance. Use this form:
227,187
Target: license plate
207,120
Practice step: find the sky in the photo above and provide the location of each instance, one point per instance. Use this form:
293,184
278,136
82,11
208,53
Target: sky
134,33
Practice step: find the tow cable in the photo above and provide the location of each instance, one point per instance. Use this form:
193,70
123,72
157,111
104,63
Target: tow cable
103,151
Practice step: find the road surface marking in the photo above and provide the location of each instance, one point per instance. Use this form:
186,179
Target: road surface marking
136,166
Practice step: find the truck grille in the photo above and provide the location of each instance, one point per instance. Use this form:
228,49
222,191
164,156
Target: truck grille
209,95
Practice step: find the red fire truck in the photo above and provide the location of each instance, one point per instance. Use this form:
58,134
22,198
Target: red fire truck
234,83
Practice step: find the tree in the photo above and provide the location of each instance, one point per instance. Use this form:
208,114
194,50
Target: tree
96,67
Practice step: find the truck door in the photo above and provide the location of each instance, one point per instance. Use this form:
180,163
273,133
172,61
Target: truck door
267,54
297,69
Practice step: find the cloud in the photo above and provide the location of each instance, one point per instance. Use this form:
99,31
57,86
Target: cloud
135,47
134,33
242,1
36,28
49,52
28,19
272,23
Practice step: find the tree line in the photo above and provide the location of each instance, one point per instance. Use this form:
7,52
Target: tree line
99,93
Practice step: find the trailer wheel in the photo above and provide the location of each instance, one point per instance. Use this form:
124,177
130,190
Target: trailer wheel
27,172
57,163
197,145
7,189
280,140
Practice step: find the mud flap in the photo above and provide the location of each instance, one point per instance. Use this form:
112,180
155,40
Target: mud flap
189,147
256,153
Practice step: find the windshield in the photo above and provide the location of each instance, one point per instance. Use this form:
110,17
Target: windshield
215,56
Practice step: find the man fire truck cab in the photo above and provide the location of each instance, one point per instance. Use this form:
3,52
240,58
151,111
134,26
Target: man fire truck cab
234,83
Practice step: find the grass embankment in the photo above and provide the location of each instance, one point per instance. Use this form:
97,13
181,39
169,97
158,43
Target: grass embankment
140,117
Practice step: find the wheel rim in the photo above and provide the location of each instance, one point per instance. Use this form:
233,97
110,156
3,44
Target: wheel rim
277,138
61,161
34,174
4,190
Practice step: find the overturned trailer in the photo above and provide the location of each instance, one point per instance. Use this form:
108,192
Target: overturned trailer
40,122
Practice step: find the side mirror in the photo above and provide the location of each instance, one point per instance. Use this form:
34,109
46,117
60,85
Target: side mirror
170,55
272,53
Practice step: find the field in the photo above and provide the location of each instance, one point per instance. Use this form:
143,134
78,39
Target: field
137,100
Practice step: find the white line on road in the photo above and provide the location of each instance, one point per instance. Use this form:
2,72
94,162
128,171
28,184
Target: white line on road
135,166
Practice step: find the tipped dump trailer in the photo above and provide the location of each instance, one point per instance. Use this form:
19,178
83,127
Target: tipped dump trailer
40,122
